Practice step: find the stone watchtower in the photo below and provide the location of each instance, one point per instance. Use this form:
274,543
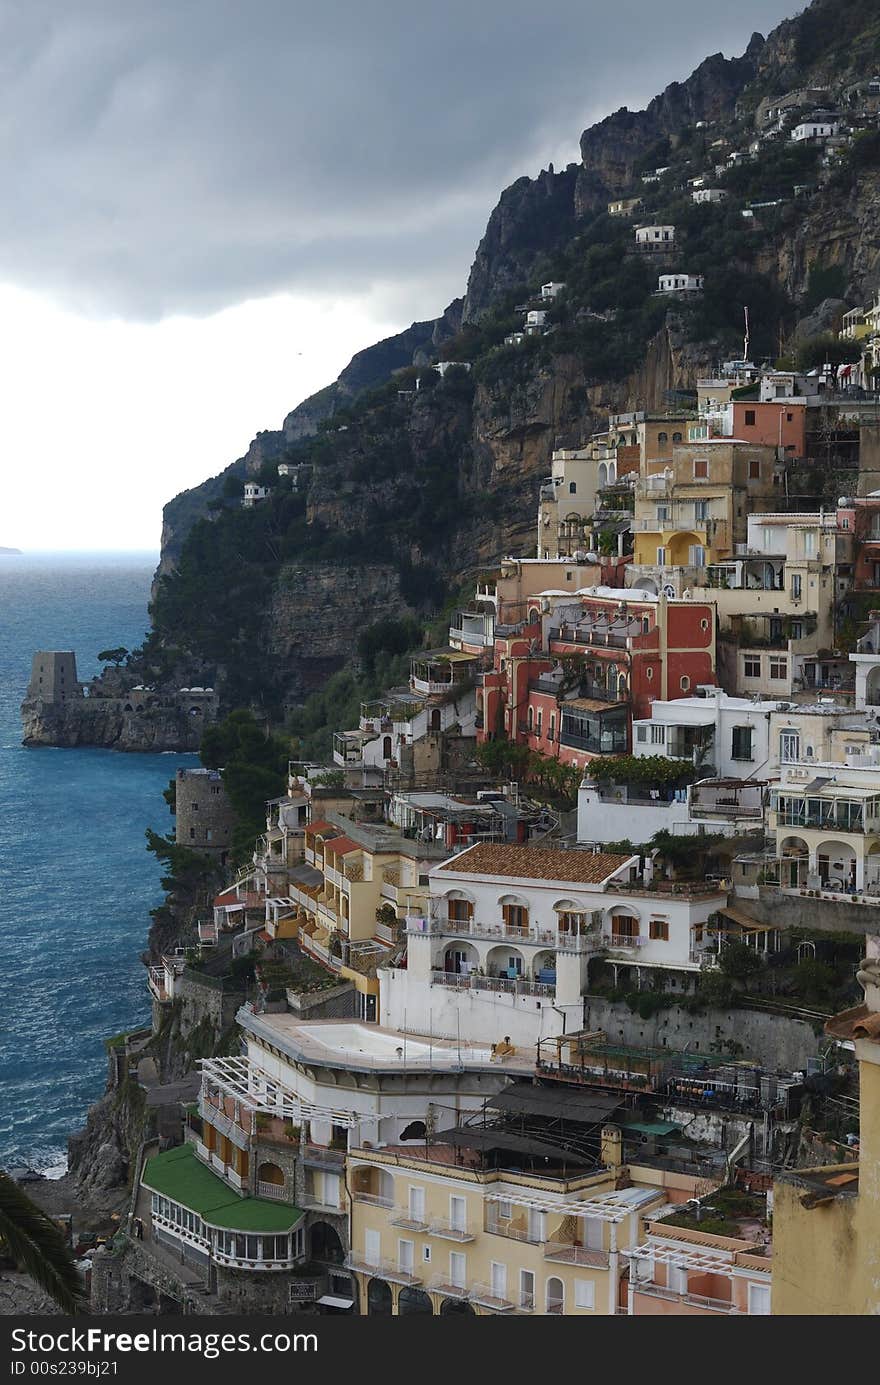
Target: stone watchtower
204,816
53,677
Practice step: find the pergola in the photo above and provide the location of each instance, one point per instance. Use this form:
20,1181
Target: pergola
237,1078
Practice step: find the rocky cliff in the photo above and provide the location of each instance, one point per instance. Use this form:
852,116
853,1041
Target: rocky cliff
105,722
438,478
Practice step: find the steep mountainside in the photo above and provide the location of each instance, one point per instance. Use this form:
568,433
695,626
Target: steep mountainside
412,483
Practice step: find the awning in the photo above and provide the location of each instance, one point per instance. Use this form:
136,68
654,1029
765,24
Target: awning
333,1301
587,1109
749,925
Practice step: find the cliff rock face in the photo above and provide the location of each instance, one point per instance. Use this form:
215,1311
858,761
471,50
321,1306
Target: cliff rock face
104,722
365,369
315,616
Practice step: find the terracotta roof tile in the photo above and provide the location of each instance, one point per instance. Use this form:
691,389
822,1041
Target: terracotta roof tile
323,827
536,863
342,846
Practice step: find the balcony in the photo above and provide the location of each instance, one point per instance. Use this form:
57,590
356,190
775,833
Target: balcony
311,1203
709,1305
275,1192
601,639
239,1134
156,985
494,932
372,1199
442,1284
497,984
512,1231
381,1269
485,1296
565,1253
320,1157
624,942
404,1218
450,1230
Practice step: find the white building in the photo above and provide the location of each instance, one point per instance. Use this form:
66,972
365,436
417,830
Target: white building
535,320
506,947
658,236
253,494
679,283
727,736
552,290
618,812
815,129
708,195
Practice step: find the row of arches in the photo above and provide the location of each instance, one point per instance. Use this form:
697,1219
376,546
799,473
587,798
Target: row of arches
410,1300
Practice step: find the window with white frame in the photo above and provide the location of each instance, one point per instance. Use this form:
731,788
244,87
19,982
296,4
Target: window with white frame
584,1293
458,1268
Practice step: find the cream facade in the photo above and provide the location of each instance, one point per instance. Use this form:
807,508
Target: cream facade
430,1238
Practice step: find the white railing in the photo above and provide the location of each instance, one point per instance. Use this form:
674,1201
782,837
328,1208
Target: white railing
382,1269
485,1296
567,1254
404,1218
499,984
442,1284
450,1230
490,932
224,1124
275,1192
624,940
374,1199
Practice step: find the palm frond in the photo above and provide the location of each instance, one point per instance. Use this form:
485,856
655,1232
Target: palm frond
31,1238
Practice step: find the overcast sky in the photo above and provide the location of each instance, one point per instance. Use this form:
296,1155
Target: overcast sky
209,206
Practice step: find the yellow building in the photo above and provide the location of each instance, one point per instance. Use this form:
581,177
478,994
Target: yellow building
826,1220
357,883
696,510
437,1230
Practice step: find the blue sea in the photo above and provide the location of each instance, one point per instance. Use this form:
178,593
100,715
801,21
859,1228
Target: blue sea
76,881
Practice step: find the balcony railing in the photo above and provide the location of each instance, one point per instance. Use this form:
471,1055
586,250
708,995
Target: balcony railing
711,1305
497,1226
449,1230
225,1125
320,1157
491,983
564,1253
626,940
275,1192
381,1269
485,1296
534,936
404,1218
372,1199
312,1203
442,1284
604,639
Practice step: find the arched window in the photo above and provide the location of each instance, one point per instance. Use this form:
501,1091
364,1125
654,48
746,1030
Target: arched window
378,1299
530,718
386,747
676,437
662,437
611,683
435,718
684,683
572,487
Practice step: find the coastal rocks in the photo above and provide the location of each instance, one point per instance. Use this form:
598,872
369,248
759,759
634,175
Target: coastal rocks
106,722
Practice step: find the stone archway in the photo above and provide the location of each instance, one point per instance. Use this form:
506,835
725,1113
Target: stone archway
380,1303
413,1300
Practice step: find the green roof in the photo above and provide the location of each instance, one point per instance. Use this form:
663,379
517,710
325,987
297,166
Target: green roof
177,1174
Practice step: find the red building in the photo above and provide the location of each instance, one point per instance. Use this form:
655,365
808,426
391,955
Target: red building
569,684
861,516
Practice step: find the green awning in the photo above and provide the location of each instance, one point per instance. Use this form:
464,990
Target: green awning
178,1174
651,1127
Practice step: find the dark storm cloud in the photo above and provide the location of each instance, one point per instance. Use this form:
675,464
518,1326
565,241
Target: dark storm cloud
167,156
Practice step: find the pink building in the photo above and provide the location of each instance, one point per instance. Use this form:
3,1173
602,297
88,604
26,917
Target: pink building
779,423
681,1272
